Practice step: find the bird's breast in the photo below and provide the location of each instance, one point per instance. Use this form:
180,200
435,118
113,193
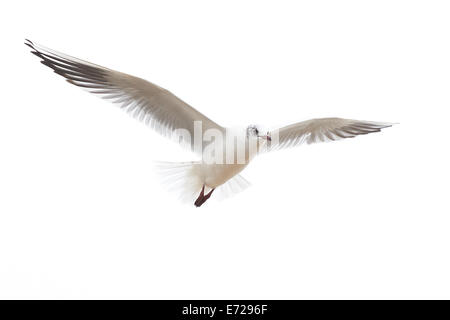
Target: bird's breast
215,175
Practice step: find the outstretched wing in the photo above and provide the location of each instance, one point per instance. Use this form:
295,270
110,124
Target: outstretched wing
155,106
321,130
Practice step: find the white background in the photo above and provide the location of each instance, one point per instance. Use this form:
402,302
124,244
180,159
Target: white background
81,215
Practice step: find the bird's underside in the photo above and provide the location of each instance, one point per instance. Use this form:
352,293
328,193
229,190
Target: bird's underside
169,115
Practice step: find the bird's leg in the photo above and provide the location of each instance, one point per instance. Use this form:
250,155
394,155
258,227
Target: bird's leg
202,197
199,202
208,195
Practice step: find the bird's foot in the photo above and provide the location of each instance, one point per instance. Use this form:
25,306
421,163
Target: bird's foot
202,197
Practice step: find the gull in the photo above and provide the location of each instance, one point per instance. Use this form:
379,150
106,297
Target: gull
173,118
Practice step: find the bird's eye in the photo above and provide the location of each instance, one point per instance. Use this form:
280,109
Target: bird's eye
256,131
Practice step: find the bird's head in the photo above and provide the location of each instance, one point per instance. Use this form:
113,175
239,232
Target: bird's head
254,131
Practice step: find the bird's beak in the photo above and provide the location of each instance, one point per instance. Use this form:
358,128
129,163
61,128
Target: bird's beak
266,137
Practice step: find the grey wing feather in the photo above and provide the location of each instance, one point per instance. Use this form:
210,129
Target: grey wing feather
322,130
155,106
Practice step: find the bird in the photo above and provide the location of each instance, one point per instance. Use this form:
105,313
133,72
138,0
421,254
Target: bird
223,152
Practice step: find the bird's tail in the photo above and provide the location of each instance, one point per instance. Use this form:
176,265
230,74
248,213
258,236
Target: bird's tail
184,179
180,178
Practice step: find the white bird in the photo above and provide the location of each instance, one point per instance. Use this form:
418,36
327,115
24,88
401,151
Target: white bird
218,167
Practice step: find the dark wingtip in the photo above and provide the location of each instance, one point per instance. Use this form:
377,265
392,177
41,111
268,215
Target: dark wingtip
30,44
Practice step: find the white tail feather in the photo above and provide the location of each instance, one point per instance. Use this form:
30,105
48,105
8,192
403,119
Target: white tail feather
183,179
180,178
232,187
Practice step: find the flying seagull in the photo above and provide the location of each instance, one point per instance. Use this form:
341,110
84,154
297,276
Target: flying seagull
219,166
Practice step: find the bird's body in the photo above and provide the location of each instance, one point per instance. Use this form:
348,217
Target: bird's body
213,171
223,153
214,175
235,157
